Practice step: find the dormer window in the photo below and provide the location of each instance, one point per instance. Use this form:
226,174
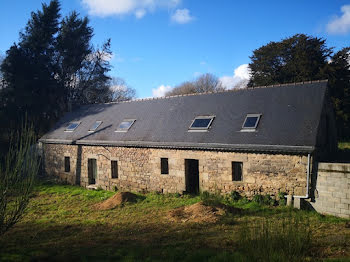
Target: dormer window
72,126
95,126
125,125
251,122
201,123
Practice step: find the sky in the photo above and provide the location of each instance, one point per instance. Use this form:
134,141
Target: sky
158,44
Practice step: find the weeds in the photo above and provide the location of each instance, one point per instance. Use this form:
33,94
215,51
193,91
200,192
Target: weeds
211,199
286,239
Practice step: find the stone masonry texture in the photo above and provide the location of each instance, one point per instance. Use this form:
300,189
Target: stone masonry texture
332,193
139,169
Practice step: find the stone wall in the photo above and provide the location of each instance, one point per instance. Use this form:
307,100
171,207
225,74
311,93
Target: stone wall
139,169
332,193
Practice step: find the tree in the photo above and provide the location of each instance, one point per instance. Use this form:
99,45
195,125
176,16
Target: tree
53,66
294,59
120,91
17,175
204,83
29,72
2,82
304,58
339,87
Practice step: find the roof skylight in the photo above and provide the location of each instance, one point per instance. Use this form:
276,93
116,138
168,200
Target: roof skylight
72,126
251,121
95,126
201,123
125,125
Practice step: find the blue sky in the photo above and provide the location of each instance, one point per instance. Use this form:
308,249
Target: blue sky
157,44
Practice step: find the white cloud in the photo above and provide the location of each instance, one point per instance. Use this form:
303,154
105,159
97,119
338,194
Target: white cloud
239,79
340,25
139,8
140,13
182,16
161,90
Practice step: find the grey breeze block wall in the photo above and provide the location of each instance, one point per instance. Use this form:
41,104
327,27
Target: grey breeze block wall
139,169
332,193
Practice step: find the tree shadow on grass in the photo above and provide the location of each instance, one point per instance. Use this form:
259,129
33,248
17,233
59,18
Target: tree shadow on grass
96,241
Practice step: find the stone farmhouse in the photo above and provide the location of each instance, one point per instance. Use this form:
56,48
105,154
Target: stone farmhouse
261,140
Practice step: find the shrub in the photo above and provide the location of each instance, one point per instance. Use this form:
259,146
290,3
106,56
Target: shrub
18,170
282,200
244,200
211,199
235,196
258,199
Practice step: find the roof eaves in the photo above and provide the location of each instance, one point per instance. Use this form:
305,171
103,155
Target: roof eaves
183,145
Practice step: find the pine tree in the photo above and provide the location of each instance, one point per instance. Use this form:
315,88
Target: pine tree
53,65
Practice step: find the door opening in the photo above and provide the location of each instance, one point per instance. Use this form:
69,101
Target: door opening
192,176
92,171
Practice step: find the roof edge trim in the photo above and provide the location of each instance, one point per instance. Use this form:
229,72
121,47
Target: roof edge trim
182,145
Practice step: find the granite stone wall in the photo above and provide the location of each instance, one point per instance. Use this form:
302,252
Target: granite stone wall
139,169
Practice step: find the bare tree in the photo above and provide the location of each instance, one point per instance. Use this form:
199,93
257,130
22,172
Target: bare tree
17,173
208,83
241,84
120,90
204,83
182,89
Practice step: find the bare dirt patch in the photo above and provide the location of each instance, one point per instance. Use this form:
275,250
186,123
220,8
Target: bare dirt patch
198,213
117,200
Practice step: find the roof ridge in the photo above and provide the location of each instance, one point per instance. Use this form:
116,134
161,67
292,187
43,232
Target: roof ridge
218,92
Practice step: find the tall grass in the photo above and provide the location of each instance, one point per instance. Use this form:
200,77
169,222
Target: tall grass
284,239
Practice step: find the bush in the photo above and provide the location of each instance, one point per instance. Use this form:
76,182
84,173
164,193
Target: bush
282,200
211,199
288,239
258,199
18,170
235,196
243,201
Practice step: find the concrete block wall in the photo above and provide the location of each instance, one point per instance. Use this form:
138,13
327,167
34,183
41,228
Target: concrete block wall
332,192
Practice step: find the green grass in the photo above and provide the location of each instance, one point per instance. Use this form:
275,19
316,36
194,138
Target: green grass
60,225
344,145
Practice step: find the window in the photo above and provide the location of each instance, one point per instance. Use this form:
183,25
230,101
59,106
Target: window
72,126
125,125
114,168
237,171
201,123
164,167
251,121
66,164
95,126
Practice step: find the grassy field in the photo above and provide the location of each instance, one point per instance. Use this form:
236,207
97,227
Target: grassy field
344,145
60,225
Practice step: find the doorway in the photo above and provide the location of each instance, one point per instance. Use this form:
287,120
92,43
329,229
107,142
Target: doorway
92,171
192,176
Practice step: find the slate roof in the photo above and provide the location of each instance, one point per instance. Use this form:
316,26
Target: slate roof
289,121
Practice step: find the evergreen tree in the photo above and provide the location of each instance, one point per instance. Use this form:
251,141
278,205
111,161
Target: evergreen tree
295,59
304,58
29,72
52,66
339,86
